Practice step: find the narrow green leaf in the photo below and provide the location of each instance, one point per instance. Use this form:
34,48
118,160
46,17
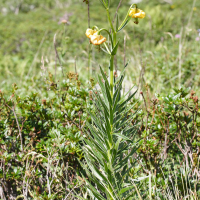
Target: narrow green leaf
106,3
104,76
104,106
97,149
125,190
109,3
98,137
122,116
103,89
100,176
102,3
96,122
128,170
108,128
126,22
94,191
106,51
108,93
124,97
122,137
120,153
111,115
114,50
124,102
94,131
117,93
116,100
90,157
129,130
117,22
125,123
122,162
122,73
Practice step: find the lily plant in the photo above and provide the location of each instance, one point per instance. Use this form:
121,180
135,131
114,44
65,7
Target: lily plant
110,142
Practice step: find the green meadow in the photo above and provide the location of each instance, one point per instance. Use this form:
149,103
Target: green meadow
166,40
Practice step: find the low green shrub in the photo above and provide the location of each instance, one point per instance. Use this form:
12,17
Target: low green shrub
170,143
40,140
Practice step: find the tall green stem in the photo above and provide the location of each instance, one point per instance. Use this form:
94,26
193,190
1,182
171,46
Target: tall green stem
111,74
111,56
111,25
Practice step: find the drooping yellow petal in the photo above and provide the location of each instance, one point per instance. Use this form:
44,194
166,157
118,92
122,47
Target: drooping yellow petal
136,13
90,32
97,39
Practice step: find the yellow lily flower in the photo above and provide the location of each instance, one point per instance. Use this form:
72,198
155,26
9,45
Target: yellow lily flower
90,32
97,39
138,14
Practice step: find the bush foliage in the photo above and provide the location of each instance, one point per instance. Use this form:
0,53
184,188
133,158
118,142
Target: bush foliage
40,139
